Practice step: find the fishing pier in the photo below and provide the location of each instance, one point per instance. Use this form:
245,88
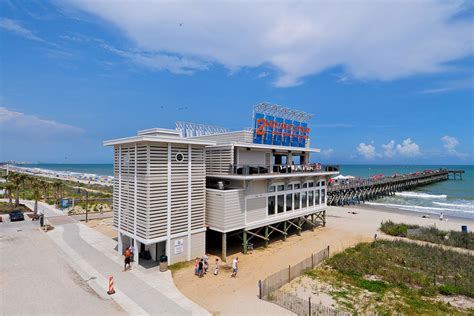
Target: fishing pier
361,191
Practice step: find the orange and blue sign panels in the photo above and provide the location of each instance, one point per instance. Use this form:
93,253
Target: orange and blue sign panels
273,130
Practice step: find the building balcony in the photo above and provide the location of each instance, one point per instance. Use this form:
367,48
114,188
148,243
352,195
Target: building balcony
247,170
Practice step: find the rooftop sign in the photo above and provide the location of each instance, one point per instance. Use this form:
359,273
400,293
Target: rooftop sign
277,125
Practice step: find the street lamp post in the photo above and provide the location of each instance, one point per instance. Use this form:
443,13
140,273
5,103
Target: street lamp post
87,200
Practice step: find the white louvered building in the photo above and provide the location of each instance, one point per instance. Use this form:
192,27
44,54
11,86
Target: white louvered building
160,194
172,189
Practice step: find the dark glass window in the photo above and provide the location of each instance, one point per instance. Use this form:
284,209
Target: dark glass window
311,184
289,187
297,201
310,198
281,204
323,196
271,205
289,202
280,188
304,200
316,197
271,188
297,186
305,185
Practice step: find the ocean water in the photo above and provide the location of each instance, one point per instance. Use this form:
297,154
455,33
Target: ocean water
453,197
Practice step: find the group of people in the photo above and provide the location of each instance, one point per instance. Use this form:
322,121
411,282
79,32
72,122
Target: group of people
201,266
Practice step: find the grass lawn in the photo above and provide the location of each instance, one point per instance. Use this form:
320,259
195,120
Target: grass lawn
429,234
5,208
396,277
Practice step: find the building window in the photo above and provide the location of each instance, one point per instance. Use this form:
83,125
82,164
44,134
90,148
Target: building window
296,186
323,196
305,185
289,202
297,201
310,198
304,200
280,188
271,188
316,197
289,187
323,183
311,184
271,205
281,204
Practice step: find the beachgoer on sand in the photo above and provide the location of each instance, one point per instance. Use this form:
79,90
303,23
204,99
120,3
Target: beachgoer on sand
206,262
132,253
196,266
201,268
216,268
235,267
441,216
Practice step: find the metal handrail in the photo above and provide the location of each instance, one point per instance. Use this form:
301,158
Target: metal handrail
245,169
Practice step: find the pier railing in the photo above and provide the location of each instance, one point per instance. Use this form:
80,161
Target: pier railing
358,191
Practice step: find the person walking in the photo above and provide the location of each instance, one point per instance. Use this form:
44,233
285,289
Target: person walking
201,268
196,266
235,266
127,260
216,268
206,263
132,253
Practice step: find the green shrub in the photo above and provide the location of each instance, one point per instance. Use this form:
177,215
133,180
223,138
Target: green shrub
448,289
400,230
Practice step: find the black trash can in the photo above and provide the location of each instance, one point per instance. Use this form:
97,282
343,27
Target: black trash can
464,229
41,220
163,263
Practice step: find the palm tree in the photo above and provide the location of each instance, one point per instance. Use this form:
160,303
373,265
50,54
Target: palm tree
58,186
44,185
36,186
8,188
18,179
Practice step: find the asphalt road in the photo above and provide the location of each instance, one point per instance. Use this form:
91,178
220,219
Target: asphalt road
36,279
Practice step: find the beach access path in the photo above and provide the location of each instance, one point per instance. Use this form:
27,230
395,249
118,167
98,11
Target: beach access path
94,258
344,229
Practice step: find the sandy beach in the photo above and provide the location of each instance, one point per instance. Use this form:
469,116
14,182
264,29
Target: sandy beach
227,296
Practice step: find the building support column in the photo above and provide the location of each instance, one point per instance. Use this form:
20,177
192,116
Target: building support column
136,252
312,222
285,229
224,247
119,245
298,231
266,236
245,242
324,218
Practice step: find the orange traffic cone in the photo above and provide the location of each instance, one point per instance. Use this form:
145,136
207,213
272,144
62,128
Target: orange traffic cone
111,286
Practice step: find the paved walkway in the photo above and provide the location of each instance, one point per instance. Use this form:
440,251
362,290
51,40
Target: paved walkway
36,278
90,216
139,292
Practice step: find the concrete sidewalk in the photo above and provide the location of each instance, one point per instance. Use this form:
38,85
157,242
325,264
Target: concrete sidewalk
138,291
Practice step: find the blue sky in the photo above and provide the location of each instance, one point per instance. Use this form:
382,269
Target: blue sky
381,90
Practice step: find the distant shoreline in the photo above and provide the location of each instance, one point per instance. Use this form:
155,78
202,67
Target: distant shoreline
84,178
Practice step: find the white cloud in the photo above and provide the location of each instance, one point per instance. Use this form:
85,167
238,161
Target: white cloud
408,148
15,27
389,149
326,153
380,40
450,144
17,122
453,85
367,151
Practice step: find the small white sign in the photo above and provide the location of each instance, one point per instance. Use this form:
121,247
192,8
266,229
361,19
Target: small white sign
178,246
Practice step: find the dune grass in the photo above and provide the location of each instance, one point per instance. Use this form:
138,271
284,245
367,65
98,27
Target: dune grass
429,234
393,277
